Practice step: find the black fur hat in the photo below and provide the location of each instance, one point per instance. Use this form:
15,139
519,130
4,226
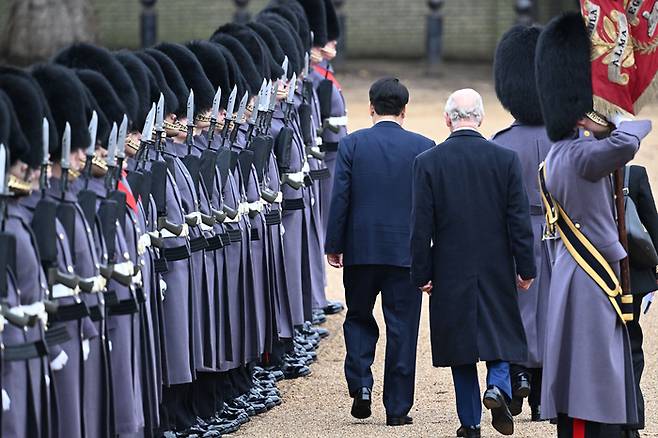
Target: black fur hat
270,39
287,36
30,107
103,94
68,103
514,74
293,13
193,74
563,71
246,66
139,74
285,42
235,77
333,25
316,14
171,101
174,79
5,127
257,48
12,134
214,65
84,55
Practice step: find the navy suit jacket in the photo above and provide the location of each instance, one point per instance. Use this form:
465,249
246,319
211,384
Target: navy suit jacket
369,218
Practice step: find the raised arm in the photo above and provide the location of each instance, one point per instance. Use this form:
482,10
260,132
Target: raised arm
597,159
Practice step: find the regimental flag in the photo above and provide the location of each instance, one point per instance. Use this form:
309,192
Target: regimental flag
624,35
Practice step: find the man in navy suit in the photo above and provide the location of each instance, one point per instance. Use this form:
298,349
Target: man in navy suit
368,235
472,245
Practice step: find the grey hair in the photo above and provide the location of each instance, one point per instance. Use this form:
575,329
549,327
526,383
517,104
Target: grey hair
457,113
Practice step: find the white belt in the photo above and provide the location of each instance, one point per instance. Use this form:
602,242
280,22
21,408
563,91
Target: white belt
237,218
99,283
297,177
337,121
37,309
164,233
61,291
243,208
256,206
318,141
126,269
194,215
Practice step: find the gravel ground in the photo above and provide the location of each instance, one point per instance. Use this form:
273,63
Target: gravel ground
319,404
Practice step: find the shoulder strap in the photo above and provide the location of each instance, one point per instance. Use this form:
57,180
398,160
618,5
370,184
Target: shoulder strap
586,255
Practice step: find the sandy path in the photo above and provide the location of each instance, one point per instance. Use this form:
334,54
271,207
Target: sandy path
319,404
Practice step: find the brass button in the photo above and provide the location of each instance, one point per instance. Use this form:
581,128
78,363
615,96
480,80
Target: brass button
577,225
587,133
70,269
61,236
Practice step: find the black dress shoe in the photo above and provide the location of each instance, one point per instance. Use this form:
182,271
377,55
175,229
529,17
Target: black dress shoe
333,307
361,404
502,419
535,413
521,388
516,406
469,432
399,421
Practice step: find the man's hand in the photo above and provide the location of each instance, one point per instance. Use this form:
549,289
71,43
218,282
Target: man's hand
523,284
335,260
427,288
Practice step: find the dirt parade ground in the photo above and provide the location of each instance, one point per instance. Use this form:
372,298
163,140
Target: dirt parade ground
319,405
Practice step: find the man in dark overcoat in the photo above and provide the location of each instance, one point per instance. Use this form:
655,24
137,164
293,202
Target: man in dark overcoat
471,246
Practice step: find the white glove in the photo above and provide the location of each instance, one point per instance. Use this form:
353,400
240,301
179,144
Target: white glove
60,361
86,349
163,289
6,401
618,118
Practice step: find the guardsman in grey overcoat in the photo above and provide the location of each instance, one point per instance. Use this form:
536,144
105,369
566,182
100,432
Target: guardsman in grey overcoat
516,89
588,376
24,380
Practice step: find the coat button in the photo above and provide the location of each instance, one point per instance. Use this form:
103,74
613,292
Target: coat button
577,225
587,133
70,269
61,236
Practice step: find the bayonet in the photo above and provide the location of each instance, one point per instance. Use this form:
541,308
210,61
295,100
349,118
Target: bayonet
190,121
111,157
121,146
229,112
284,66
159,123
290,98
239,117
307,64
214,115
89,154
45,158
65,162
145,139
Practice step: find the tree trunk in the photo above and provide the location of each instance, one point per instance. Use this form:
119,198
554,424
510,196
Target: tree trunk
37,29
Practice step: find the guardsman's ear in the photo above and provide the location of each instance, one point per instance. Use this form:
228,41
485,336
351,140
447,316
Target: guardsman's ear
403,113
372,110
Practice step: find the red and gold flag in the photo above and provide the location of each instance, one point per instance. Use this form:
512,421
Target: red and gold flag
624,35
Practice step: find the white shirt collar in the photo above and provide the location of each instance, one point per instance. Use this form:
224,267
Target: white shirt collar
388,120
464,128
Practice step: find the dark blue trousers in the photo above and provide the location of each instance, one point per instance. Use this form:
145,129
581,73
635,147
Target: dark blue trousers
467,389
401,303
